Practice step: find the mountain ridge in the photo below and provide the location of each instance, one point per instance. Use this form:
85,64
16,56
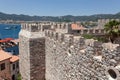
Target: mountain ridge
67,18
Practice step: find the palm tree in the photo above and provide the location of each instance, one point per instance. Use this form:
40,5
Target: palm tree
112,30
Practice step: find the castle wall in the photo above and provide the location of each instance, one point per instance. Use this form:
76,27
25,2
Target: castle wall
37,59
32,53
54,55
63,28
24,57
74,58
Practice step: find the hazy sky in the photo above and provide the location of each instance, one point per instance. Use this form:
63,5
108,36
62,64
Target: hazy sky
59,7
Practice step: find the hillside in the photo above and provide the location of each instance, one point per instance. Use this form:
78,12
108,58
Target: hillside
66,18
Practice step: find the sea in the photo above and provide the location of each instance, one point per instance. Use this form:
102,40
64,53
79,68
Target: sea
10,31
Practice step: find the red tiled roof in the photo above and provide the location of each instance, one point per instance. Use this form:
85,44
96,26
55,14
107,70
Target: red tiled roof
14,58
6,39
3,40
4,55
77,27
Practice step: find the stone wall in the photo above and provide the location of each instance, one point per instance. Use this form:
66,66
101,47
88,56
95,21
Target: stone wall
75,58
24,55
54,55
66,28
32,53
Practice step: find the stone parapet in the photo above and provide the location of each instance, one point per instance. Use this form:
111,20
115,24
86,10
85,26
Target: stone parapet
70,39
76,58
31,27
32,52
52,55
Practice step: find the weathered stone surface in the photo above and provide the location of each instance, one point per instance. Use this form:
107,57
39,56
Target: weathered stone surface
54,56
37,59
32,55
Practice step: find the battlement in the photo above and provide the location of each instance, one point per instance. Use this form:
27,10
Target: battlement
31,27
67,28
61,25
72,40
36,27
63,56
92,31
92,54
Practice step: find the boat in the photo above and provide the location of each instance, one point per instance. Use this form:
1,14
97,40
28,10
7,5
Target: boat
7,28
10,27
15,27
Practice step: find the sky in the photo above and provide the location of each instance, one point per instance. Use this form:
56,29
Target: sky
59,7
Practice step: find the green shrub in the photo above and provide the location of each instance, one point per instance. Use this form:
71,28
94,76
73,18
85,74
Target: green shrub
88,36
101,39
19,77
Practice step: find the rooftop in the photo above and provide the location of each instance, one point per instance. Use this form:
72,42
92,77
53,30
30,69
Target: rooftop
4,55
77,27
14,58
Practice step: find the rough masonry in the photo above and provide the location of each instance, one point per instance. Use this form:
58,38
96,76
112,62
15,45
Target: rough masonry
51,55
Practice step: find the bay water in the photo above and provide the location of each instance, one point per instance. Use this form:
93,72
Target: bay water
10,31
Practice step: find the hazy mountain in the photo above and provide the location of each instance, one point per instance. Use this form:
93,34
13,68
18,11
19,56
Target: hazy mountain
66,18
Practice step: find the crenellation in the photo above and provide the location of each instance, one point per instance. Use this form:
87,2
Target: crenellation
62,56
59,26
34,27
68,39
62,26
91,31
48,33
60,37
55,36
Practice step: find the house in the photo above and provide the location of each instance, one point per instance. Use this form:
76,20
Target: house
9,66
76,28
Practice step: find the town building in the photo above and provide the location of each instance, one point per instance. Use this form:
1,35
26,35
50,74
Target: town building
9,66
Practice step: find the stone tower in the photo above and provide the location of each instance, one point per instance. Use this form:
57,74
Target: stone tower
32,58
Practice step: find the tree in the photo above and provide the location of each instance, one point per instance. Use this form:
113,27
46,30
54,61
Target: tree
19,77
112,30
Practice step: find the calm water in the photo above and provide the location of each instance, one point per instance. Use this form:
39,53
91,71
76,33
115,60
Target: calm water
13,50
9,30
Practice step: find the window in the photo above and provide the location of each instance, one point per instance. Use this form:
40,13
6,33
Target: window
13,66
2,66
78,31
13,77
17,65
